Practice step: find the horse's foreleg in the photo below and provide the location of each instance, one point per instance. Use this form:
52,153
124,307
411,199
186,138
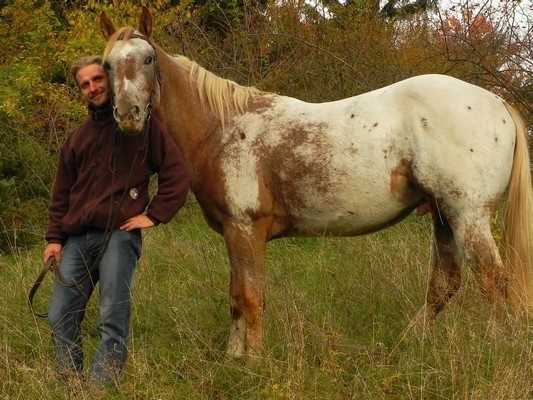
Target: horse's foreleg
445,277
246,250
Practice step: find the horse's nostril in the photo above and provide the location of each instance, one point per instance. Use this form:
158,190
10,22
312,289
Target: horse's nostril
136,112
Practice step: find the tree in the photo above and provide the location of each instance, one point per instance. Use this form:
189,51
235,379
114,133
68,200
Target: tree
38,108
391,8
31,93
394,8
486,46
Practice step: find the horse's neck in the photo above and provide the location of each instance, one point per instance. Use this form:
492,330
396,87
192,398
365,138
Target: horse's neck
180,108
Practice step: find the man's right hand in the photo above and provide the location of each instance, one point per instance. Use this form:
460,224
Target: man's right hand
53,250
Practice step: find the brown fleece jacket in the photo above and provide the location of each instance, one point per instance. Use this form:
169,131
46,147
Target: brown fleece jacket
86,191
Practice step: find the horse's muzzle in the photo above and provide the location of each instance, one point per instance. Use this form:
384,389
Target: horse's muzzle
132,121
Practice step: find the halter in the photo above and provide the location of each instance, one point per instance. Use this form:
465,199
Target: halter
157,72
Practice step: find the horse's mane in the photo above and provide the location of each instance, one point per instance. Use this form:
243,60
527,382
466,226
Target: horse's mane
221,95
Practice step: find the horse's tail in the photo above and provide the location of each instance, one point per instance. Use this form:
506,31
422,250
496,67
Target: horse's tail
518,222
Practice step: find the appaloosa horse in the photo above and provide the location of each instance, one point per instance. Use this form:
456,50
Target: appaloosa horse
266,166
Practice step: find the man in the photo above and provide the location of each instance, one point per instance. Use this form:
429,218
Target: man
101,200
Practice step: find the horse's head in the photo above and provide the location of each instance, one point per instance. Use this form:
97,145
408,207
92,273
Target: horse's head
130,59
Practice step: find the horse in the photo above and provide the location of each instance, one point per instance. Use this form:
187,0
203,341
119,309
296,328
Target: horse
266,166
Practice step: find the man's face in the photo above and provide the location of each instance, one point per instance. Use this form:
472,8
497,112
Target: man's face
94,84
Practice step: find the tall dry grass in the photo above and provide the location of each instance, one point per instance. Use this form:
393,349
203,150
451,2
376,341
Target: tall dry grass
336,309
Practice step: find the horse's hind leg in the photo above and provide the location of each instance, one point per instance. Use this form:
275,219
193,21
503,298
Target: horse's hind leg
481,249
445,277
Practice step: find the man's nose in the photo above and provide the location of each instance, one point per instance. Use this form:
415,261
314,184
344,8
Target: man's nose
92,86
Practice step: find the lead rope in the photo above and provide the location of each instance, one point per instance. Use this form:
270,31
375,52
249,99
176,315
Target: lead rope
50,265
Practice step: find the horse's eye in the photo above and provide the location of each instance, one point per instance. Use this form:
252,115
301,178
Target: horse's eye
148,60
106,66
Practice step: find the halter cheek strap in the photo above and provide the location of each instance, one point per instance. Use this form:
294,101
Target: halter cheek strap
157,71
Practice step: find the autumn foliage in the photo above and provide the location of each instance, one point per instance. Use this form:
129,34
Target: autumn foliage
290,47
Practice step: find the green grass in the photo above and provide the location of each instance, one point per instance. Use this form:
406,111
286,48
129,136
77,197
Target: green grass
336,310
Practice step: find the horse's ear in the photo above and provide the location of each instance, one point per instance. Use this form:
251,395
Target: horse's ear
106,26
145,22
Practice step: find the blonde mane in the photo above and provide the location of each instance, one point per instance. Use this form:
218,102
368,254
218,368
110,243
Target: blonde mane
222,96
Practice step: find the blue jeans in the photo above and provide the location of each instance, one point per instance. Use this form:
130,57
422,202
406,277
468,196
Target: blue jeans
68,304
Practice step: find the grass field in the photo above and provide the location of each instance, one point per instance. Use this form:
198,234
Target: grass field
336,310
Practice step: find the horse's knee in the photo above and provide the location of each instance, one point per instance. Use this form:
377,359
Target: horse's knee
247,302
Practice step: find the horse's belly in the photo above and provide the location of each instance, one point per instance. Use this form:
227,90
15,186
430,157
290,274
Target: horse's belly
351,213
345,224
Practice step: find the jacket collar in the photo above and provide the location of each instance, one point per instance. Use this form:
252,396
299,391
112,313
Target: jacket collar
101,113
